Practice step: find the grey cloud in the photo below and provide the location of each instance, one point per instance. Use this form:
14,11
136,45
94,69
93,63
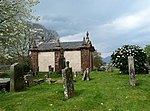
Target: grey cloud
70,17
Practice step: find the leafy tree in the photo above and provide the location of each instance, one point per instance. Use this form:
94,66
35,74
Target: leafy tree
47,35
147,50
97,60
120,58
15,33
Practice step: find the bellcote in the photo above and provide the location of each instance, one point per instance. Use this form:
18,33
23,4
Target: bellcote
86,40
58,43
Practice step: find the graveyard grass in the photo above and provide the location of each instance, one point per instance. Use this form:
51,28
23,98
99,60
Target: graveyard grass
104,92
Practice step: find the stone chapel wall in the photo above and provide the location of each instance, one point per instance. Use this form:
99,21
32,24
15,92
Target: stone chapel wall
45,59
74,57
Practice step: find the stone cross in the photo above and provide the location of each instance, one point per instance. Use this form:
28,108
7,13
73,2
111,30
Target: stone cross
16,77
86,75
131,70
68,81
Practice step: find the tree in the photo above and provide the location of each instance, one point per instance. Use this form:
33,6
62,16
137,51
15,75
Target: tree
97,60
15,33
120,58
147,50
47,35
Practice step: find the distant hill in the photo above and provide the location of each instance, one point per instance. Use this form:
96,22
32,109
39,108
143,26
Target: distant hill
106,59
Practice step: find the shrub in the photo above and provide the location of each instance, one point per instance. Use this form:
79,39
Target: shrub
120,58
26,67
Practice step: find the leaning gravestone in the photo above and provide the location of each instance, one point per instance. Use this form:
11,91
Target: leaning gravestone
68,81
109,67
131,70
16,77
86,75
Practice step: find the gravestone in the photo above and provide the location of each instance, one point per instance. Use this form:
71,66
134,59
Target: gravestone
50,70
16,77
75,74
29,78
36,70
68,81
86,75
131,70
47,79
109,67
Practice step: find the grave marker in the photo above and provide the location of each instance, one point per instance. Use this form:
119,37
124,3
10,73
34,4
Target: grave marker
50,70
68,81
16,77
86,75
29,79
36,70
131,70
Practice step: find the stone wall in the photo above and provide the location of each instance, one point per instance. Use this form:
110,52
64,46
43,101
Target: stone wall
74,57
59,60
91,60
45,59
85,59
78,59
34,60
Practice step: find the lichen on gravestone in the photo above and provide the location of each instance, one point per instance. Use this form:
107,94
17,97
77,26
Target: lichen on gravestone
68,81
131,70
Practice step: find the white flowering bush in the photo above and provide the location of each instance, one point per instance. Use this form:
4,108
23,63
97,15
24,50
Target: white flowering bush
120,58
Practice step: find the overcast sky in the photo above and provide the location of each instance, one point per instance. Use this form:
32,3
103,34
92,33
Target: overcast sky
111,23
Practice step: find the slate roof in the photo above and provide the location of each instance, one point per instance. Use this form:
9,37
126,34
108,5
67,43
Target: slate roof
64,45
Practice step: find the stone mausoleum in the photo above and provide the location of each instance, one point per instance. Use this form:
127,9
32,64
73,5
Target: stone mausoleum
78,53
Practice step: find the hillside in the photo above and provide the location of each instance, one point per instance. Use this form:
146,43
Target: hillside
106,59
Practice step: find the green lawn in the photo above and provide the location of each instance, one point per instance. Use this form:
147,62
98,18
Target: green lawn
105,92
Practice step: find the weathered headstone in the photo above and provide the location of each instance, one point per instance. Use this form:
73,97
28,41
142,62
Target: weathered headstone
50,70
47,79
29,78
16,77
109,67
68,81
86,75
131,70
